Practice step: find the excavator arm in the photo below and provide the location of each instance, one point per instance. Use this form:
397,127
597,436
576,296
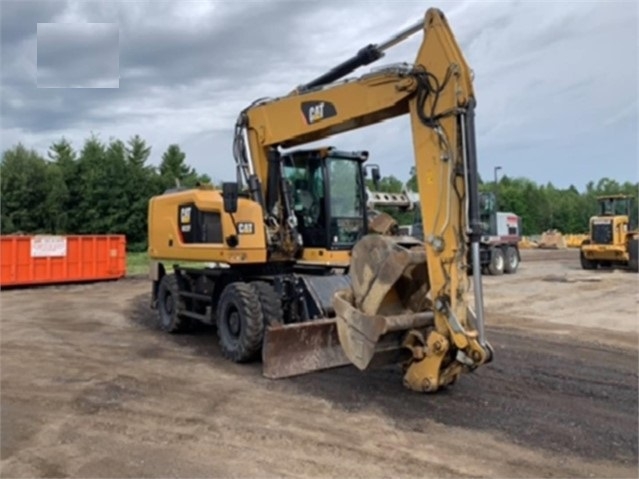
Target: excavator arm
420,295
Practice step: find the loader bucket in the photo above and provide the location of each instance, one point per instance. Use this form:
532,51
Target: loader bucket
388,298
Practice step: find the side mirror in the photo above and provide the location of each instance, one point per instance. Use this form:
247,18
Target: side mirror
376,176
230,193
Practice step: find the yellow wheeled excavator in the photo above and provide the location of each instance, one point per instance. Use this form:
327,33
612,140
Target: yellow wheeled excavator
292,273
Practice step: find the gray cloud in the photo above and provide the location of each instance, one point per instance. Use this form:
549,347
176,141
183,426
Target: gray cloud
550,90
78,55
19,18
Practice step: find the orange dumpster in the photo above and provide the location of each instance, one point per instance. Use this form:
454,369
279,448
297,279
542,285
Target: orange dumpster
47,259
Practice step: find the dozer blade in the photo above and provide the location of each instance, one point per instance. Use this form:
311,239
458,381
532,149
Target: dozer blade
300,348
387,299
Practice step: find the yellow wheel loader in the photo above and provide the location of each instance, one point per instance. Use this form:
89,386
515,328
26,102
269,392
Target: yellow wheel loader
293,275
612,240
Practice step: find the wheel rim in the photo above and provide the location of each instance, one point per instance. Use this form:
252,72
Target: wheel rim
168,304
499,262
513,261
166,308
234,324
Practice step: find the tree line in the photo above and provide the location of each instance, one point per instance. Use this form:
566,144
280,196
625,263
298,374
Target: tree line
104,188
541,206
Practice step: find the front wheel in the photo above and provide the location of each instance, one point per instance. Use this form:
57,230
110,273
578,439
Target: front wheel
585,262
240,322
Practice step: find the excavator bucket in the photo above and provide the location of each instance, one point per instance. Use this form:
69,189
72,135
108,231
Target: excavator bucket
384,296
383,224
389,297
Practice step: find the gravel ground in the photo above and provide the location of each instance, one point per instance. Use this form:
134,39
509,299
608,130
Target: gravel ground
90,388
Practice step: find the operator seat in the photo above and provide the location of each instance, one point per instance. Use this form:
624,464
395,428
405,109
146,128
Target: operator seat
303,195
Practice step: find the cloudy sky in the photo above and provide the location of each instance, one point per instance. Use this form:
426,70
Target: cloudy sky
556,81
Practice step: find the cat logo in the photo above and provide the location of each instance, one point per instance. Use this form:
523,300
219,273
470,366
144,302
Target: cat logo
245,228
185,214
314,111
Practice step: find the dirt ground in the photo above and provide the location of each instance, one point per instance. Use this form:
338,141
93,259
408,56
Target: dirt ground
89,388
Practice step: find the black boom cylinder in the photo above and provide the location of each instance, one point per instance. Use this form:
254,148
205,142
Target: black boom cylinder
366,55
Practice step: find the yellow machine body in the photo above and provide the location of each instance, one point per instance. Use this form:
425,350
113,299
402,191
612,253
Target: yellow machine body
302,281
191,225
611,239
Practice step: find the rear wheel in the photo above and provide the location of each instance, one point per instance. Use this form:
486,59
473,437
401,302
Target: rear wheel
169,304
512,260
271,303
240,323
497,262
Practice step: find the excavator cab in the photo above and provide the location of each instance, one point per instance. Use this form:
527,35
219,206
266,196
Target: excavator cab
328,196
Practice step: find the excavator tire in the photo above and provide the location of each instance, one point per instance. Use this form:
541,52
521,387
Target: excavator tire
169,303
240,322
272,310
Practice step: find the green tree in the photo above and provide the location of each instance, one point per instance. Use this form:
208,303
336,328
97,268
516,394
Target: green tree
174,170
141,185
93,188
63,199
387,184
56,203
24,187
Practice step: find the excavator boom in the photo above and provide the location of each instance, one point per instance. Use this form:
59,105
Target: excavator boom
402,297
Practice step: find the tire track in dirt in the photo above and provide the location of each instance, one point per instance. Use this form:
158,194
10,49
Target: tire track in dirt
546,394
541,391
85,369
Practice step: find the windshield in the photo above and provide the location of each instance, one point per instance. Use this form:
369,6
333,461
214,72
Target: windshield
487,203
346,201
334,221
614,206
345,186
306,179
